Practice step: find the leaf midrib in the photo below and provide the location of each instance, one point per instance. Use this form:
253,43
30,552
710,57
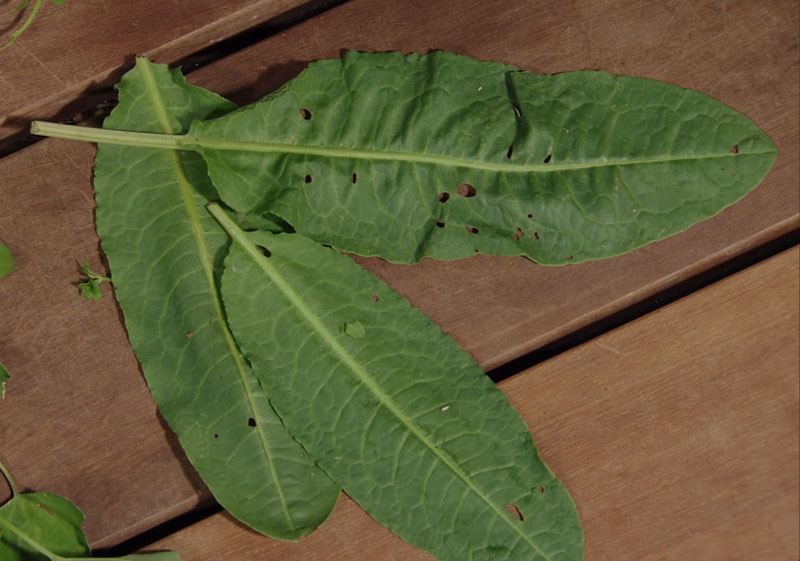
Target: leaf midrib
208,269
197,144
329,338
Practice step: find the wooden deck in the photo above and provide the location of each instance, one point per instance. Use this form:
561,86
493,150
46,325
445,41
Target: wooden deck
663,386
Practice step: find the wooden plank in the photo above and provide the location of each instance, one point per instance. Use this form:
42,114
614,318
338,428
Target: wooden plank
676,434
82,47
77,392
77,418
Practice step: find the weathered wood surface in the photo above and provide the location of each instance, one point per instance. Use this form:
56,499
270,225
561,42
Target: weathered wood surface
82,47
676,435
78,419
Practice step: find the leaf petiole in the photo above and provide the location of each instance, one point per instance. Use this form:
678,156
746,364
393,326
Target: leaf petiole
11,484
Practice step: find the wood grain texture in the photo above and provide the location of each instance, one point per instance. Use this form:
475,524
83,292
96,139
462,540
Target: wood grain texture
83,46
77,418
676,434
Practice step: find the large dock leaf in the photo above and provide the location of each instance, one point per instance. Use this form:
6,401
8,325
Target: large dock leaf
165,252
392,408
443,156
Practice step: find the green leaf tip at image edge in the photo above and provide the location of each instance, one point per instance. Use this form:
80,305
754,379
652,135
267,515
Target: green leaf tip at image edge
4,377
7,263
43,525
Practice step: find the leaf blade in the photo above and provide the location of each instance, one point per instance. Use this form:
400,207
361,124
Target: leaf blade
562,168
402,442
165,253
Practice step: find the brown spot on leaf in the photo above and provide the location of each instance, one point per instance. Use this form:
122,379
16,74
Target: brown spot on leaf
443,197
471,229
466,190
514,511
734,149
305,113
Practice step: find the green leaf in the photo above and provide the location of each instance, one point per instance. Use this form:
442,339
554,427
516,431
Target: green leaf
399,415
443,156
6,260
91,288
165,254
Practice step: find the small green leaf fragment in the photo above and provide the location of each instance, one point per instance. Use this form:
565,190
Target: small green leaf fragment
91,288
4,377
27,22
355,330
6,260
